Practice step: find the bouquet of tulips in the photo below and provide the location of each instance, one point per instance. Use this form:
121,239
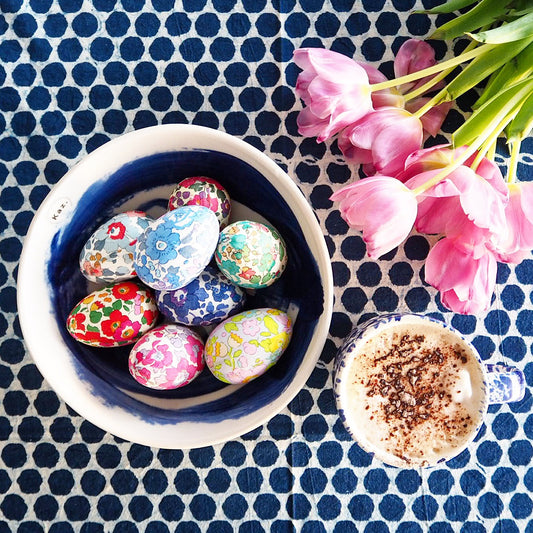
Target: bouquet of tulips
455,191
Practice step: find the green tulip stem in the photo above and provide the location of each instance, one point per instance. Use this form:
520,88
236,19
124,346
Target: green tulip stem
445,171
469,152
513,161
427,86
492,138
432,102
491,152
435,69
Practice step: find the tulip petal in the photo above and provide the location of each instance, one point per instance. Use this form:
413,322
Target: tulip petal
390,154
414,55
378,132
374,75
516,243
433,119
466,282
335,90
382,208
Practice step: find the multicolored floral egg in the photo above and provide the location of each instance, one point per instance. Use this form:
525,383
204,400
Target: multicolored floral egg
167,357
251,254
176,247
246,345
200,190
108,254
116,315
207,299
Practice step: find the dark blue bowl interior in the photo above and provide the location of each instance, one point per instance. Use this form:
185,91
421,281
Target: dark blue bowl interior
105,369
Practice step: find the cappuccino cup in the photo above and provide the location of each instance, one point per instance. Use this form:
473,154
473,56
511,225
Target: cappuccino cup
413,392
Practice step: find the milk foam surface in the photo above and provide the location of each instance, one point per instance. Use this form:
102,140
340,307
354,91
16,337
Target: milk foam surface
414,392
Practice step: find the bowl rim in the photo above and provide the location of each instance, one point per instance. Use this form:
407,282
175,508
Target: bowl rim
59,204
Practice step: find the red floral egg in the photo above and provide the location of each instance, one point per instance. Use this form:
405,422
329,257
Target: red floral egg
116,315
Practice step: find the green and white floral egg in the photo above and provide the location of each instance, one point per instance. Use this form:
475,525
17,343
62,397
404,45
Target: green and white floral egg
251,254
246,345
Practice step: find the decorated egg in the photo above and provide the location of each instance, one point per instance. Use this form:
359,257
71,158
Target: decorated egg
176,247
251,254
207,299
167,357
116,315
202,191
246,345
108,254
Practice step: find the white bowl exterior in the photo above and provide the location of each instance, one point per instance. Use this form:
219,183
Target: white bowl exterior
43,340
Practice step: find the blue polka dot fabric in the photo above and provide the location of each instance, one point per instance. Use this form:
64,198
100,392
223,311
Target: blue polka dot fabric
77,73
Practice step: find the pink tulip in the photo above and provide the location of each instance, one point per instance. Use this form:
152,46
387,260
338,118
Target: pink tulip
465,280
383,208
383,138
464,203
335,90
414,55
515,244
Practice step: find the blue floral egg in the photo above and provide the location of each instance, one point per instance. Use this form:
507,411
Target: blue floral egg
176,247
108,254
207,299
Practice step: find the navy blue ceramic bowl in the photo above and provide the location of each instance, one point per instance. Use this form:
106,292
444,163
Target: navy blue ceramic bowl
138,171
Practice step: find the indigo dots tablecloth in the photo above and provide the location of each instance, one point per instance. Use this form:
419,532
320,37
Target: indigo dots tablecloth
77,73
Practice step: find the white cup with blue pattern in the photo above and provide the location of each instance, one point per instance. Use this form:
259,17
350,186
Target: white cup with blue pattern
413,392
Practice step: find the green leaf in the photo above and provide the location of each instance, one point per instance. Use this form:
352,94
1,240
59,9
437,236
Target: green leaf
487,117
448,7
117,304
517,69
483,66
485,12
230,326
519,28
522,124
95,316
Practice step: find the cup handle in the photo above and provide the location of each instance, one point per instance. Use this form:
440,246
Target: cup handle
506,384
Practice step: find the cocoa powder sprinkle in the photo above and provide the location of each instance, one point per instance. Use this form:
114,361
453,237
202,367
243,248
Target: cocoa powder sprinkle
407,376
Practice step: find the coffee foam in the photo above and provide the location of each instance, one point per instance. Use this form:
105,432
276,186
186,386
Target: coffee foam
417,402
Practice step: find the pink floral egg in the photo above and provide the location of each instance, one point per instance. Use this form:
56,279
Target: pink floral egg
167,357
204,191
245,346
116,315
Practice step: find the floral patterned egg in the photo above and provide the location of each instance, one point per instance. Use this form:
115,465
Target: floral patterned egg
167,357
176,247
207,299
251,254
204,191
108,253
246,345
116,315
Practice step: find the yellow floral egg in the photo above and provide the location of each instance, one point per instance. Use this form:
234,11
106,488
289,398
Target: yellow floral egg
246,345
